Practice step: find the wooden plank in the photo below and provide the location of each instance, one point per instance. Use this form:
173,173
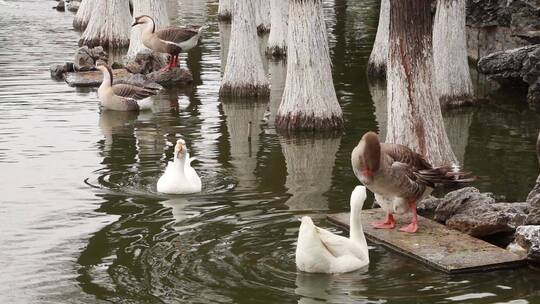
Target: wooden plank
92,78
434,244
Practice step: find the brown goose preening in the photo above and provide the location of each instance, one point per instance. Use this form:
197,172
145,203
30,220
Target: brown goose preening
123,97
399,177
170,40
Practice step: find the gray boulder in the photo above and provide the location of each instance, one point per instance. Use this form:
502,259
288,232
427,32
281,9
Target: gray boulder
174,77
522,17
527,241
518,67
86,58
58,70
533,201
469,211
145,62
61,6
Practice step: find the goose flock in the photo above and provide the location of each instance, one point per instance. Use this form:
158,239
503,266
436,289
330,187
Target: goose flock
397,176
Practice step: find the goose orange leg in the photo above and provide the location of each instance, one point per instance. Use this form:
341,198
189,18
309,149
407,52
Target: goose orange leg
389,223
169,64
413,226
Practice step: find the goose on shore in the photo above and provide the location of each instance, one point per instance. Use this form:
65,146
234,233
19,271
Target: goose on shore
179,176
170,40
399,177
320,251
123,97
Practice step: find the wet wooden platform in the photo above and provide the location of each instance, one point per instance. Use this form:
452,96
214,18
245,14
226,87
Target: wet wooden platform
435,245
92,78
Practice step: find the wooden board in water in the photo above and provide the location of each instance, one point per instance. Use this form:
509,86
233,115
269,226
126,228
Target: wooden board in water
434,244
92,78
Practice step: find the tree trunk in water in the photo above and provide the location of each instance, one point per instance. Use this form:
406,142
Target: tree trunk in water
224,10
224,38
278,73
154,8
379,53
109,25
310,163
262,16
457,124
83,14
277,42
414,115
309,100
244,74
453,83
377,89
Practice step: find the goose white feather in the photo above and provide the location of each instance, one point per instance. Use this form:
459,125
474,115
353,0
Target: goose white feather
320,251
179,177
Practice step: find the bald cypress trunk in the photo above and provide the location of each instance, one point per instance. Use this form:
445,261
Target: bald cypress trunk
452,77
262,15
109,25
157,9
379,53
414,113
224,10
309,100
277,41
244,74
83,14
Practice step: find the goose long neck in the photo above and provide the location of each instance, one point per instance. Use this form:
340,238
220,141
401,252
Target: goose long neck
180,162
107,79
357,231
149,27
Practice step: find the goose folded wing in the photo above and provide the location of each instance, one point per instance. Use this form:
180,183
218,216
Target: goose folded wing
338,245
132,91
402,154
176,34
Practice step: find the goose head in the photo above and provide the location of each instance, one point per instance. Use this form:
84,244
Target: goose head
358,197
366,157
143,19
180,150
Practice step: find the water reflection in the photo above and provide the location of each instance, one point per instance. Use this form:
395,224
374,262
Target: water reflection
310,161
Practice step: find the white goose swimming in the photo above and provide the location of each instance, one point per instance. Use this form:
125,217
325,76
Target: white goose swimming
179,176
321,251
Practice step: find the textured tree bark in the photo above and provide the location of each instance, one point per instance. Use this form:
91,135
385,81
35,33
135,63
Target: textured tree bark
310,163
224,10
414,115
457,124
377,89
453,83
262,16
379,53
108,25
277,42
224,38
156,9
309,100
278,74
244,74
83,14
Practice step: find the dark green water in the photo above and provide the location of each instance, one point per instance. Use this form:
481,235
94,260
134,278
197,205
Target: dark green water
81,222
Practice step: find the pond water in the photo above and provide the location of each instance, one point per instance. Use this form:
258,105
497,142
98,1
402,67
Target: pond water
81,222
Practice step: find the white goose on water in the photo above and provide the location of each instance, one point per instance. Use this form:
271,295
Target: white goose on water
179,176
320,251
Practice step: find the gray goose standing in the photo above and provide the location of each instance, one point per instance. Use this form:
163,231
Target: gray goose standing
170,40
399,177
123,97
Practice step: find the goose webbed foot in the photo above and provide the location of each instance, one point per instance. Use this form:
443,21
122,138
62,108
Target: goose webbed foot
413,226
389,223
